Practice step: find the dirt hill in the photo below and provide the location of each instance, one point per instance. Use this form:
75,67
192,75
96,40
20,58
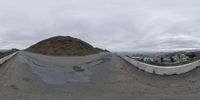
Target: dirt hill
63,46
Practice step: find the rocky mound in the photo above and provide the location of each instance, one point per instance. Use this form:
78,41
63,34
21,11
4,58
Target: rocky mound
63,46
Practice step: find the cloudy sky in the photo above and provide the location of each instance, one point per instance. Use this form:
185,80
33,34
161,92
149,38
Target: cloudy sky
117,25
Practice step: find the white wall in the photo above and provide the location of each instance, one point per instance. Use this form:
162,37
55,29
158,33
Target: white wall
162,70
2,60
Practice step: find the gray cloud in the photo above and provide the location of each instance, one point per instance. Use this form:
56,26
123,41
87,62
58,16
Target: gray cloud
117,25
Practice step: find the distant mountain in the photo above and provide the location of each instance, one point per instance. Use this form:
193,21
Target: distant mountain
144,54
5,52
162,54
63,46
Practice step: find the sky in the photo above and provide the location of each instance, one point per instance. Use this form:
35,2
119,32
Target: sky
116,25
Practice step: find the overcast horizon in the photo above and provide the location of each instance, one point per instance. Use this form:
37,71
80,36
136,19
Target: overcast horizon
116,25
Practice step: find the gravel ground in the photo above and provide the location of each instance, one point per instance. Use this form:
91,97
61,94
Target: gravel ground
103,76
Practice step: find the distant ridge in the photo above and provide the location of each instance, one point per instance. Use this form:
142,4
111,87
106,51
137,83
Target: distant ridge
5,52
63,46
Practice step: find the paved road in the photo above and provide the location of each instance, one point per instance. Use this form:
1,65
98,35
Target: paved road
103,76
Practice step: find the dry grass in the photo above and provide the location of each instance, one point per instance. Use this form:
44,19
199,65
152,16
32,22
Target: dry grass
63,46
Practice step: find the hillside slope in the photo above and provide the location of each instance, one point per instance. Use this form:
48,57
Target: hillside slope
63,46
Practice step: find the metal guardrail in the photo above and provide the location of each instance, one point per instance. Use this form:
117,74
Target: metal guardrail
162,70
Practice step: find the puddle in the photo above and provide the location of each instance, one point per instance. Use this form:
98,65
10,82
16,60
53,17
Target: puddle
14,87
99,61
78,69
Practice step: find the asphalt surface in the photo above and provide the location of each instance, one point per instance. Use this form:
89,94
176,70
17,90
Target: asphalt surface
103,76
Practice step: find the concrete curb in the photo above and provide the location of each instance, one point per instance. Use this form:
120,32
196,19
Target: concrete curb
4,59
160,70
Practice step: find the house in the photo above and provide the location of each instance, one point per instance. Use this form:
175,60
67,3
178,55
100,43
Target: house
184,57
148,59
167,59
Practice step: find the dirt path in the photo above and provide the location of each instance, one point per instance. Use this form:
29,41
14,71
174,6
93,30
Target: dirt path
29,76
